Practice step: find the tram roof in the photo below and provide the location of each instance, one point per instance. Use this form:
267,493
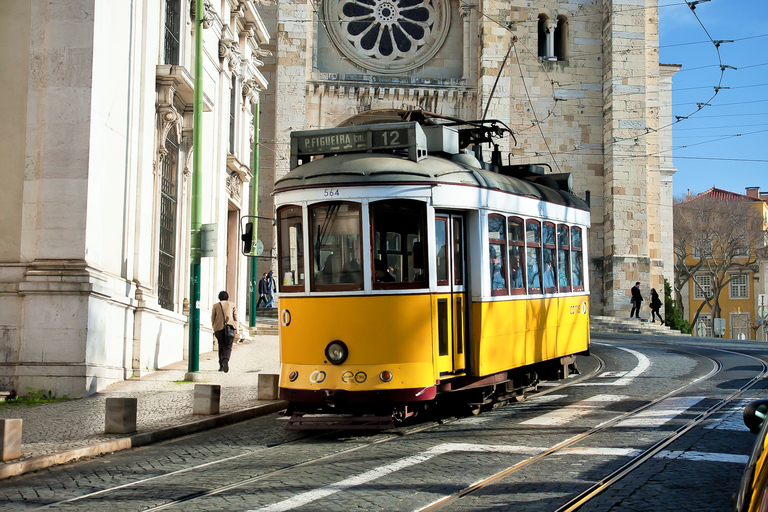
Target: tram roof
374,169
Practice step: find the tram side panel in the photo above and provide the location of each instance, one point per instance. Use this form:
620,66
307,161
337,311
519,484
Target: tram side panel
512,334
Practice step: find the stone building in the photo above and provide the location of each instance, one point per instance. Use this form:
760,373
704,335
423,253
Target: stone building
96,141
578,81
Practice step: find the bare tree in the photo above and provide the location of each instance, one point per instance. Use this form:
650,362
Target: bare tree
718,238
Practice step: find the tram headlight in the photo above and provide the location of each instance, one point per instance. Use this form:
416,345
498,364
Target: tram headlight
293,375
385,376
336,352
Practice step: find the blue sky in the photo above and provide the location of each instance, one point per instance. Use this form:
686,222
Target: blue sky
707,150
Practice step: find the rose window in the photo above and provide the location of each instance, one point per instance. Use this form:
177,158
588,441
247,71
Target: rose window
387,35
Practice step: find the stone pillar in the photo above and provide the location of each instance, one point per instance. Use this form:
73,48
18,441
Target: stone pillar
630,77
120,415
267,387
10,439
207,399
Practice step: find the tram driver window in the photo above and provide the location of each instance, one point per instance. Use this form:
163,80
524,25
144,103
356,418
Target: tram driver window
291,241
576,259
398,244
336,256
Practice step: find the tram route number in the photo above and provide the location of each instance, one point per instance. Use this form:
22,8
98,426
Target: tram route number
331,192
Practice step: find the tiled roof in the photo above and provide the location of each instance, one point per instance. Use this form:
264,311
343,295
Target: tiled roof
724,195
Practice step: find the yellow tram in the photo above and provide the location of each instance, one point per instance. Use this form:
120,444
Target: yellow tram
409,270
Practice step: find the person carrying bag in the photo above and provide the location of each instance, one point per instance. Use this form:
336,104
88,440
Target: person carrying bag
224,322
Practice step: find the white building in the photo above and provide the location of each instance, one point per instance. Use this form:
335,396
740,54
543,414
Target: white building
96,142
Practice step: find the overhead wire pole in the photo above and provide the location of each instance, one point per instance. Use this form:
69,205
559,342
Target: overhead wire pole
254,210
193,365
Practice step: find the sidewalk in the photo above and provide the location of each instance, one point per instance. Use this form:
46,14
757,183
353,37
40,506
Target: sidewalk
58,432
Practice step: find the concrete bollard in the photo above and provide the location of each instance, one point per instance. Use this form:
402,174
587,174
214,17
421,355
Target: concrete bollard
121,415
10,439
267,388
207,399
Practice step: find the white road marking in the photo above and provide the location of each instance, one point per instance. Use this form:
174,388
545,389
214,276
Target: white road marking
573,411
731,418
643,363
702,456
660,413
363,478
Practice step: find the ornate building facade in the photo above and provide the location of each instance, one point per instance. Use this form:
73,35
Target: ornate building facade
94,253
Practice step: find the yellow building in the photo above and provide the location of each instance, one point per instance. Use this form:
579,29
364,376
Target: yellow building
720,243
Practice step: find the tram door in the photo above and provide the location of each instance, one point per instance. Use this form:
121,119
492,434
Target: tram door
451,294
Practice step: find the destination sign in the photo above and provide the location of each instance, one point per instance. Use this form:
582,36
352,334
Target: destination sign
332,143
354,139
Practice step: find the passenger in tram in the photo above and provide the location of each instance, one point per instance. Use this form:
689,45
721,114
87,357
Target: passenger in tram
351,271
327,274
549,276
517,271
381,273
497,276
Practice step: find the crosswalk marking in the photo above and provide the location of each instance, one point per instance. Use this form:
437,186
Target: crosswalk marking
573,411
643,363
661,413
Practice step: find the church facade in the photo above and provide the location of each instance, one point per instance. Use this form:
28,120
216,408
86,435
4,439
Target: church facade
579,82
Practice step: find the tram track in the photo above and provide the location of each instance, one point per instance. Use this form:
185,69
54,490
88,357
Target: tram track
600,366
637,461
573,504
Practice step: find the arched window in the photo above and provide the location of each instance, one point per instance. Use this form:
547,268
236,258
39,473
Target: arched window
561,38
543,36
516,255
533,253
497,249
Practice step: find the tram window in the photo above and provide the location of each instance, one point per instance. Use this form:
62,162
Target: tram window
441,230
496,249
563,255
516,255
398,255
548,274
336,244
458,255
576,260
533,243
291,243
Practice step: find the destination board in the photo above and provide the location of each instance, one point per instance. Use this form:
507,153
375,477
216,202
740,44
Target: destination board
354,139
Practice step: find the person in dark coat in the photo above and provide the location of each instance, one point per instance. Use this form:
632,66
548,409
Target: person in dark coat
271,289
224,322
655,305
637,300
263,293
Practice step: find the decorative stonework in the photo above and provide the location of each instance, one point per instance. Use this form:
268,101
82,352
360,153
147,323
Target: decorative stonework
208,15
234,186
387,36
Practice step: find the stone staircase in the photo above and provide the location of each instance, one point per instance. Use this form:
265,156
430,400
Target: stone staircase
266,322
630,326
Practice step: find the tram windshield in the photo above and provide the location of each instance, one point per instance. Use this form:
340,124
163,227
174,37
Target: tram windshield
336,246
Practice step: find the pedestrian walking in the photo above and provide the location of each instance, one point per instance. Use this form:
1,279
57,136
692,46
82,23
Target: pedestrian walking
263,294
271,289
655,305
224,322
637,300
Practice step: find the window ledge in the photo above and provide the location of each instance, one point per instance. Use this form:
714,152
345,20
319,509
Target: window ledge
183,82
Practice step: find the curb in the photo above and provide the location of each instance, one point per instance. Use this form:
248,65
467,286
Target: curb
44,461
